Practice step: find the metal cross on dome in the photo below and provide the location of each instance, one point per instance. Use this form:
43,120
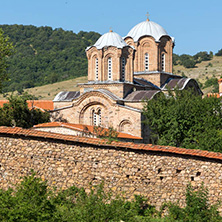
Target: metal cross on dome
147,14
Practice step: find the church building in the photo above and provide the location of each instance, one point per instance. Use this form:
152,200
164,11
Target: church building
122,73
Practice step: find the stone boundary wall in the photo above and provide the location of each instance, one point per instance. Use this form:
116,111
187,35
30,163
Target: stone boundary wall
159,173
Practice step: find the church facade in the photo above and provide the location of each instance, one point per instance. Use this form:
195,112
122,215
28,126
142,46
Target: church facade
122,73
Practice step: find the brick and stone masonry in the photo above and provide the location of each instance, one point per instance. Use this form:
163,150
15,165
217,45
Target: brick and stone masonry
159,173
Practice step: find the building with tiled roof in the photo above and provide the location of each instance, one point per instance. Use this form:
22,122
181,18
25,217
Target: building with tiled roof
44,105
122,73
84,131
217,95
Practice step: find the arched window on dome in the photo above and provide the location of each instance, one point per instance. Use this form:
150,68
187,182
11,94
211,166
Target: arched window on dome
123,64
163,61
96,69
110,68
146,61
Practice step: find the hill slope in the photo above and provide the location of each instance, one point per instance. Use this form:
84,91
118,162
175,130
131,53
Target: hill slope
49,91
202,71
43,55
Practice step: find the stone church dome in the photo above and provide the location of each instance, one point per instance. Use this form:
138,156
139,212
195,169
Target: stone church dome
110,39
147,28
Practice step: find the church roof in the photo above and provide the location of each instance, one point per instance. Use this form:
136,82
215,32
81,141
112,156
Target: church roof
67,96
147,28
141,95
181,83
173,83
144,82
109,39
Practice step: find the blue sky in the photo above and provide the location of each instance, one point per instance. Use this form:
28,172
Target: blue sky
195,24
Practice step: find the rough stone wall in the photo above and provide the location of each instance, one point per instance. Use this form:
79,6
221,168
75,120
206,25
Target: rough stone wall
156,175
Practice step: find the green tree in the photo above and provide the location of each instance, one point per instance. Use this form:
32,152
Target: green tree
212,82
45,56
197,207
187,61
6,50
184,119
219,53
17,113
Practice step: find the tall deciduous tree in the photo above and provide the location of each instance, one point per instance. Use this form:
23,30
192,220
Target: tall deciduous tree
17,113
5,51
184,119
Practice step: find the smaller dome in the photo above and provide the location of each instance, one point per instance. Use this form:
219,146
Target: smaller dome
147,28
110,39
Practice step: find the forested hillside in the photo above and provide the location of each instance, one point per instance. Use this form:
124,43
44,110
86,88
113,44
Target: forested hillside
43,55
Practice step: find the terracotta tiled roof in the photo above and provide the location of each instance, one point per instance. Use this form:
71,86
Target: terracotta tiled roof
217,95
220,80
40,104
102,142
82,128
2,102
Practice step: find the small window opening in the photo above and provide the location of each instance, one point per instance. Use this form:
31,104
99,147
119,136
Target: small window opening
96,69
163,61
146,62
109,68
123,68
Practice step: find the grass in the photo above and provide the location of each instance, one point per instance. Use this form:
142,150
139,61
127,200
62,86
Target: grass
49,91
202,71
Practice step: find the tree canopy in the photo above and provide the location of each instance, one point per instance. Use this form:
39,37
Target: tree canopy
44,55
184,119
189,61
6,50
17,113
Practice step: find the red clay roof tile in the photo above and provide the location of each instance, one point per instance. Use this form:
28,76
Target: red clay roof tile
39,104
82,128
97,141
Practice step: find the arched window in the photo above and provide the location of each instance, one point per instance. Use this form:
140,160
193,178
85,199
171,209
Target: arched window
123,68
109,68
163,61
146,62
96,117
96,69
99,117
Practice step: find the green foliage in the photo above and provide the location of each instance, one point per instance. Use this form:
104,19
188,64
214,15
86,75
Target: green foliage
176,59
33,200
6,49
219,53
189,61
17,113
212,82
203,56
185,120
45,56
110,134
28,202
197,207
